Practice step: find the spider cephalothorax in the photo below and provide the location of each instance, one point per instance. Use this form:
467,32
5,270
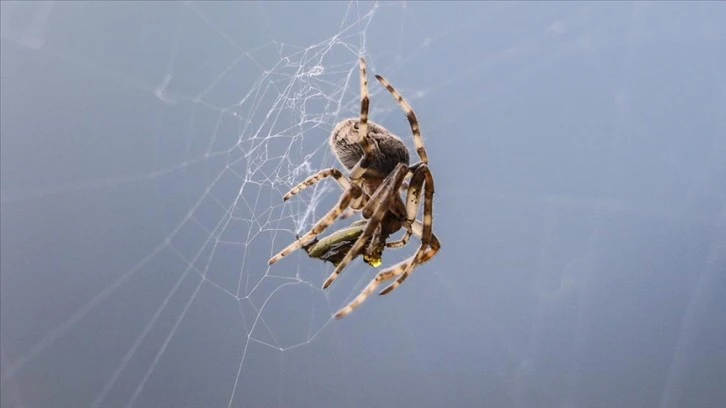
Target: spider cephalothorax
378,164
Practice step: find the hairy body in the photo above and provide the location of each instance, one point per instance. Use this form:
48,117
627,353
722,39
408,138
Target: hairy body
378,167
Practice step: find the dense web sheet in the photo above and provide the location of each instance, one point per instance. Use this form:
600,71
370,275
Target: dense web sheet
154,195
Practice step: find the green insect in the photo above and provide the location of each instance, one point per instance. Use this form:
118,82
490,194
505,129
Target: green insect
335,246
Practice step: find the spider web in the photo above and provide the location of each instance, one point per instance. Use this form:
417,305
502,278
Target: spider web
232,128
142,199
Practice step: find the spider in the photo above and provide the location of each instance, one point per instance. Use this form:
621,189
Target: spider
378,165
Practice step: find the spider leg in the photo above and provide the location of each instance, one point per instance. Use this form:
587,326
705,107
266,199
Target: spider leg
411,116
401,242
319,176
414,188
381,277
356,173
380,207
382,191
413,195
373,256
417,228
410,209
324,223
429,245
404,269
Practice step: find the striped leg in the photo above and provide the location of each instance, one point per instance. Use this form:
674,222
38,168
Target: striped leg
401,242
408,110
414,188
319,176
382,276
356,173
324,223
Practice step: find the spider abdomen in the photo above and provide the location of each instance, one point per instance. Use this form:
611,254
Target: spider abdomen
389,150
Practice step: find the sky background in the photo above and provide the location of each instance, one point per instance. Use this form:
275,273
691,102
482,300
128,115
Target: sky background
579,156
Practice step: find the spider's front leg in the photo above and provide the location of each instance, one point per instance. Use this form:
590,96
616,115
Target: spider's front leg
356,173
317,177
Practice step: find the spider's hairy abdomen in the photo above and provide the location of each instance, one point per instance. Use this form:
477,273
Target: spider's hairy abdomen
389,150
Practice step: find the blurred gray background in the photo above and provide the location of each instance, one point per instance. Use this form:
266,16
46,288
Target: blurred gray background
579,152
